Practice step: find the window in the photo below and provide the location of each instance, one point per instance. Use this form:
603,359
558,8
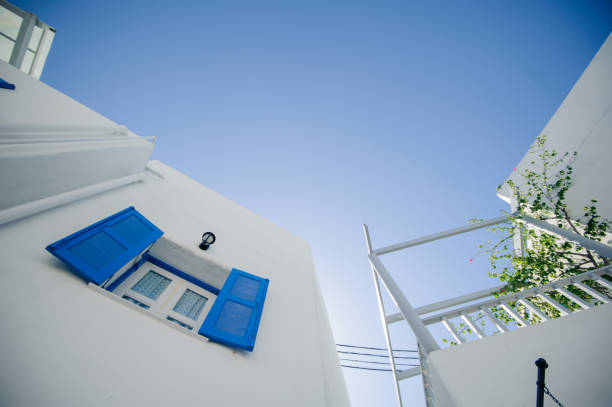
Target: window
114,254
166,295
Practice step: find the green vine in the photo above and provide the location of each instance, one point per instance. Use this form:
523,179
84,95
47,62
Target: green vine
525,256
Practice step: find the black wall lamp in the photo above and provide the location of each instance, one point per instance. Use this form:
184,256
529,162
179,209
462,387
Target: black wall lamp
208,239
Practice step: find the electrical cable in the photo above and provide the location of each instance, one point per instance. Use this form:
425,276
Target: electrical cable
366,368
378,363
379,356
367,347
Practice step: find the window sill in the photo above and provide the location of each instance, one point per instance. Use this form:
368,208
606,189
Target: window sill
149,314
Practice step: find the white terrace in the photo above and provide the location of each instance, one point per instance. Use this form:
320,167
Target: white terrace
480,306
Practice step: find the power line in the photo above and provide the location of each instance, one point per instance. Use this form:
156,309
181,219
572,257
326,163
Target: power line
379,356
366,368
367,347
378,363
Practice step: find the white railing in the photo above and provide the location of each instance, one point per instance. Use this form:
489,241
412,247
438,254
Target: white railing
496,313
538,305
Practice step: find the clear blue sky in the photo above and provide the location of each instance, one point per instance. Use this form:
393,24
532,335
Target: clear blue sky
320,116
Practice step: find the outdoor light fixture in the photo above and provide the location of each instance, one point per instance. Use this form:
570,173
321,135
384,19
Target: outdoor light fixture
208,238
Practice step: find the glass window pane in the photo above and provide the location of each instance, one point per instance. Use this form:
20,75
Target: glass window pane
10,23
176,321
28,58
190,305
140,304
35,38
152,285
6,48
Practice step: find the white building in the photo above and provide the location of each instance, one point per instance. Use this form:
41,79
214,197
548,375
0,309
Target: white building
498,370
25,40
132,315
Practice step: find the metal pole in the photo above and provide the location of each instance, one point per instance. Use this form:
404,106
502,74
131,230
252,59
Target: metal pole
542,365
421,332
602,249
441,235
383,319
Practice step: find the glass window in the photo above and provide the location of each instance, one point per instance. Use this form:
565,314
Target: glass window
28,58
10,23
132,300
6,48
176,321
190,304
152,285
35,38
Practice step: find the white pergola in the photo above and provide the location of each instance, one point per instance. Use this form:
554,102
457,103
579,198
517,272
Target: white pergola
463,305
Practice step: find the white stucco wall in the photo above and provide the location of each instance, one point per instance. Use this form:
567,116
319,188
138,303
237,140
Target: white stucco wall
33,103
583,123
499,370
31,171
64,344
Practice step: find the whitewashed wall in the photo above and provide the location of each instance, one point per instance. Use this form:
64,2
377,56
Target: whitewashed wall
499,370
64,344
33,103
31,171
583,123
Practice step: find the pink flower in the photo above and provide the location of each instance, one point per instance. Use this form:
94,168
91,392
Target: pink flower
502,290
471,260
514,169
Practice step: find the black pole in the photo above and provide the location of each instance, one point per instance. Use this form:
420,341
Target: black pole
542,365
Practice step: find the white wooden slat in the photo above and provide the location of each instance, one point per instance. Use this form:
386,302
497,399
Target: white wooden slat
533,308
405,374
574,298
554,304
473,325
498,324
602,281
515,314
592,292
458,338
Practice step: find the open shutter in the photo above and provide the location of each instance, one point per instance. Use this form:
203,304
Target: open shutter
101,249
234,317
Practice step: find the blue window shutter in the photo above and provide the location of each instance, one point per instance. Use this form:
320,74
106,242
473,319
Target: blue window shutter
101,249
5,85
234,317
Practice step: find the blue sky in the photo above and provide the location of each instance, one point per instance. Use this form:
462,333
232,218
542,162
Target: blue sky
320,116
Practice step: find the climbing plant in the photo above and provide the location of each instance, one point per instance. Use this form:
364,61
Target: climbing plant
540,192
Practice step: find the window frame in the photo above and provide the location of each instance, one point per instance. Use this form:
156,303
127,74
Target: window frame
164,304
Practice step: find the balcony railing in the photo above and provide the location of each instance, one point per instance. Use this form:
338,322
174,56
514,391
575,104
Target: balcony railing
534,300
487,312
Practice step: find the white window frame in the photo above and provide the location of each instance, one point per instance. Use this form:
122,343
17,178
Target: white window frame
163,306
